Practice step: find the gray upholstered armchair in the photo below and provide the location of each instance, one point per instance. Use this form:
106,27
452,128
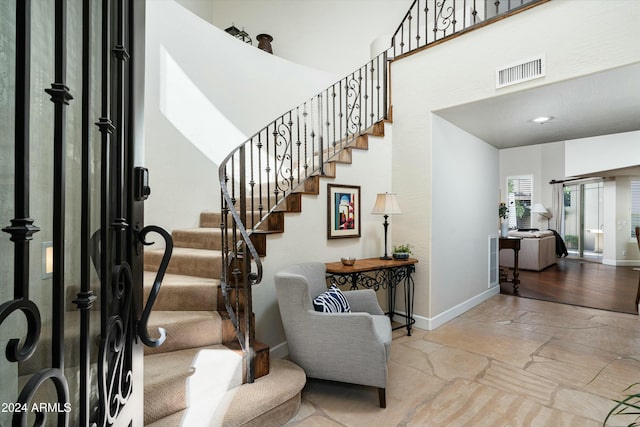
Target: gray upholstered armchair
348,347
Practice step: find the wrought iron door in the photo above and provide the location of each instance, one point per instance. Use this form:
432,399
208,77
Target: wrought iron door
71,92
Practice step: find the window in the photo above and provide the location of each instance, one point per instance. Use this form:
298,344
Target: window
519,196
635,206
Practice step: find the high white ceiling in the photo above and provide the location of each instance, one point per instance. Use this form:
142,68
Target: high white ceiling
598,104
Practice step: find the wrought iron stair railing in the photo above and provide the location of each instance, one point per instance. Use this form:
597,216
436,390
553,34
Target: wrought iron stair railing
257,177
429,21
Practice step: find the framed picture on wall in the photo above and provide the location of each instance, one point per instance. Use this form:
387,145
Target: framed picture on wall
343,211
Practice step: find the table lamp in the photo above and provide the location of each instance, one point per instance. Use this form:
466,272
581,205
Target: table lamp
542,211
386,204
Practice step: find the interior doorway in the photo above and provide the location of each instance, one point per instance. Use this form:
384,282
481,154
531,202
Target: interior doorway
583,230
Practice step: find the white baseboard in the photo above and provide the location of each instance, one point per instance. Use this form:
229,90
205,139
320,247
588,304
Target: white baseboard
279,351
622,262
431,323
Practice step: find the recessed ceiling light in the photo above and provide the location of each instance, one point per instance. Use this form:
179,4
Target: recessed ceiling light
542,119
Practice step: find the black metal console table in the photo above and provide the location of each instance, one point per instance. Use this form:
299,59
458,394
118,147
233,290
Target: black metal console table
376,273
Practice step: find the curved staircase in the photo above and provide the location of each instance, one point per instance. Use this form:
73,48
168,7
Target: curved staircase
195,378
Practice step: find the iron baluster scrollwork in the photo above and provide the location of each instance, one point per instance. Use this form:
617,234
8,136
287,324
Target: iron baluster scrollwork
15,352
428,21
373,280
157,283
352,88
116,384
445,17
282,135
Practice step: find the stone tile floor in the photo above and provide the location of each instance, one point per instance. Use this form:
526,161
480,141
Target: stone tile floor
508,362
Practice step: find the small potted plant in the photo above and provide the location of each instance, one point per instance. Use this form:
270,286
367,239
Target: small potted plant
503,214
402,251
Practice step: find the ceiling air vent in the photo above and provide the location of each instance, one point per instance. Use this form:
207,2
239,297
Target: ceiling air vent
520,72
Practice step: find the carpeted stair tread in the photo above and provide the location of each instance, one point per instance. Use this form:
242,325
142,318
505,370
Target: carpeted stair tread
198,238
174,379
187,261
270,401
180,292
210,219
185,329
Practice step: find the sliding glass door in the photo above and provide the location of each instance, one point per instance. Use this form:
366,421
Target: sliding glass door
583,219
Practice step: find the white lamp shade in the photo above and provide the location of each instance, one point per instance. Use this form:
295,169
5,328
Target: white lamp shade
540,209
386,204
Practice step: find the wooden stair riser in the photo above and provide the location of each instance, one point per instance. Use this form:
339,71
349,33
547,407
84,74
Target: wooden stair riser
329,171
341,152
261,361
274,222
232,293
378,129
229,336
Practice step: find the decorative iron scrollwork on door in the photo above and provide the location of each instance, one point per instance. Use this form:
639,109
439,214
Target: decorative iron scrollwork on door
114,359
67,171
155,290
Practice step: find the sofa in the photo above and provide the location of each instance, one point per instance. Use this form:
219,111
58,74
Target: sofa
537,250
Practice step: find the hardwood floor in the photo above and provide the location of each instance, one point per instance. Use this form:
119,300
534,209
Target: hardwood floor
581,283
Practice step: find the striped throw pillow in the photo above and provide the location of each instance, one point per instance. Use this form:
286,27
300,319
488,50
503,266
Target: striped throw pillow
331,301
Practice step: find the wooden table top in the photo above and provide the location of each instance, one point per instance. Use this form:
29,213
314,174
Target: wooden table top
367,264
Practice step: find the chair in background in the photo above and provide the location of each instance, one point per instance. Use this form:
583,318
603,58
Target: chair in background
347,347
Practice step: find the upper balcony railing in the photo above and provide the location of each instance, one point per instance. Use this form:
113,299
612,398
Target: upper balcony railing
429,21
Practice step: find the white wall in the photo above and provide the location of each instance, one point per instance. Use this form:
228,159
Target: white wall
464,214
305,236
602,153
462,70
205,93
202,8
330,35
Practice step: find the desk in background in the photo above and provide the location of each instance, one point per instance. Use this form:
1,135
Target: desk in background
376,273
